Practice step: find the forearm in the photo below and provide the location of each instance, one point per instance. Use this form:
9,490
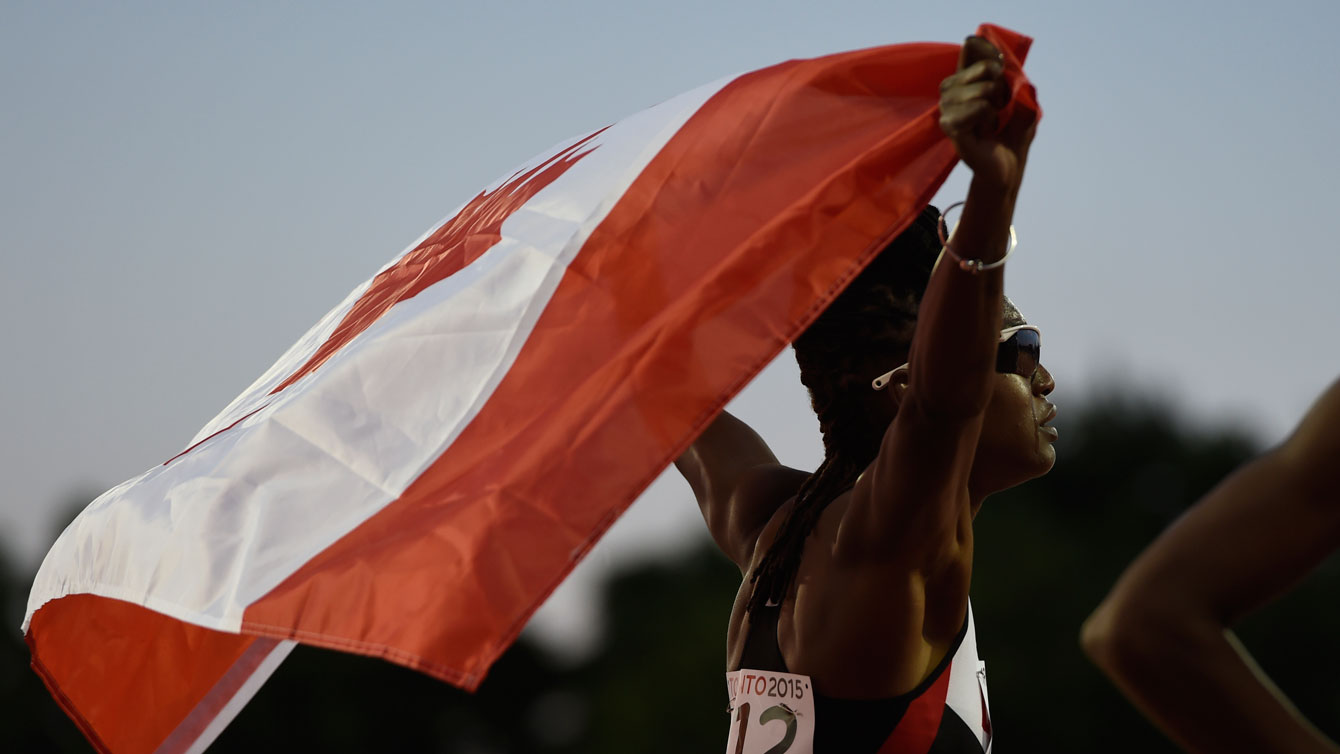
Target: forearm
1195,681
984,228
953,354
952,358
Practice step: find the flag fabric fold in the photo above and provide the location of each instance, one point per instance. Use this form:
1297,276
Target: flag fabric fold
417,474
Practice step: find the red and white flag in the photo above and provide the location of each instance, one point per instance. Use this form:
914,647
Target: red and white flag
416,475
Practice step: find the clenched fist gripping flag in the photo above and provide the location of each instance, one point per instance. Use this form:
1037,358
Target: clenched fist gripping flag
415,475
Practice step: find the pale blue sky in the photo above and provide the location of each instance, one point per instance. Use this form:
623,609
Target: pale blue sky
184,190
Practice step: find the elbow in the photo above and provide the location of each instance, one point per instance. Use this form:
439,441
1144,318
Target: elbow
1134,634
1100,637
1123,636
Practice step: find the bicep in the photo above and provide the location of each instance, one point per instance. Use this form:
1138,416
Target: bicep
908,503
1246,542
1255,535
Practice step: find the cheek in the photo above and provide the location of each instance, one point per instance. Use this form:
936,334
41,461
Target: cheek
1010,433
1010,416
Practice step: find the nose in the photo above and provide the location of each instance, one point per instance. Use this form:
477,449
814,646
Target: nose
1043,384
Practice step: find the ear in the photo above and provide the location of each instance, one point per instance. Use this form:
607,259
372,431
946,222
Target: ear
897,388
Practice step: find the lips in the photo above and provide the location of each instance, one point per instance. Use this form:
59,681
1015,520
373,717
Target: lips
1049,432
1051,414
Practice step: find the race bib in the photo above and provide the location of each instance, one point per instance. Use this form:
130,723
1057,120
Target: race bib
770,713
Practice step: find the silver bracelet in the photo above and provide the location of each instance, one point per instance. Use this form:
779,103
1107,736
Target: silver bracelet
972,266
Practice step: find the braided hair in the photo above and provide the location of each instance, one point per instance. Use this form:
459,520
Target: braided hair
875,315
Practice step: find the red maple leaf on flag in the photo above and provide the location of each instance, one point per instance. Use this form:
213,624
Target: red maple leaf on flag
458,242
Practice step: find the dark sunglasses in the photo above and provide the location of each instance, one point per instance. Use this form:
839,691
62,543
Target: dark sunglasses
1020,352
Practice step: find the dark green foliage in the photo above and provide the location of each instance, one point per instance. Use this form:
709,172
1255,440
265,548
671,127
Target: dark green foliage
30,721
1046,554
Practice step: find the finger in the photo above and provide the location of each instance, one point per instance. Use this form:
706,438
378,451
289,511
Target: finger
996,93
982,70
971,117
988,73
974,49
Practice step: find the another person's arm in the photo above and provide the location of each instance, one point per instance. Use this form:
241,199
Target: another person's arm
1162,634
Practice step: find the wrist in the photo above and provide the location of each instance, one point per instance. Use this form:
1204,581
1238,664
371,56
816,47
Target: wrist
994,189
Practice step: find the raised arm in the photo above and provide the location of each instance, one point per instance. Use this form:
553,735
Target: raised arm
738,484
737,480
928,451
1162,634
953,354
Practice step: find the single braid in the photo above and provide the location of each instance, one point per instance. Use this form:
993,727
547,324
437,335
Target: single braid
876,314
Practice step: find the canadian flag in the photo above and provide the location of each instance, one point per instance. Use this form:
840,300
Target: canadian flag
416,475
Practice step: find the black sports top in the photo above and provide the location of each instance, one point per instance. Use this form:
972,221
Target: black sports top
945,714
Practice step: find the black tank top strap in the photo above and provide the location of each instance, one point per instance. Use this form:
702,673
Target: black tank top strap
761,650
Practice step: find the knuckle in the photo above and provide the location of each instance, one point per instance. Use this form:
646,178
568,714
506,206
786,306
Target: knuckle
971,92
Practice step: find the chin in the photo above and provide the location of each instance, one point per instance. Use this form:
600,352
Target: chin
1039,463
1018,474
1048,449
1010,467
1036,465
1047,462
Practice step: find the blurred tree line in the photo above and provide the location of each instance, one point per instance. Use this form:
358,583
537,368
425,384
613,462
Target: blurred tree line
1046,554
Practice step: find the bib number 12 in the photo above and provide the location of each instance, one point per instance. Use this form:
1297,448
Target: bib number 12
775,712
785,724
